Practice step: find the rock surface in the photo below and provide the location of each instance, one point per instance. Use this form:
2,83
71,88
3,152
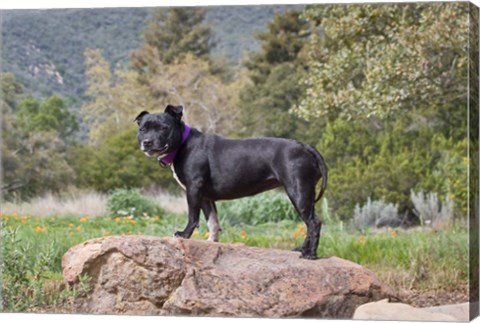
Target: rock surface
170,276
383,310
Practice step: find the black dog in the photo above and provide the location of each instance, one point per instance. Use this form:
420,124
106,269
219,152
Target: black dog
212,168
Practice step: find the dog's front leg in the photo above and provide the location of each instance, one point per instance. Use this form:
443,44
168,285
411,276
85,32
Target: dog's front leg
194,201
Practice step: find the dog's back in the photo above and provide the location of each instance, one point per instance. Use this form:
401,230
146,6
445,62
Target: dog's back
242,167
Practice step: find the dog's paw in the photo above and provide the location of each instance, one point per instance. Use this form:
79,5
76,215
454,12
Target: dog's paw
309,257
298,249
180,234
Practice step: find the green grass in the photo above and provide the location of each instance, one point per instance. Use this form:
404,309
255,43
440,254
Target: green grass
413,259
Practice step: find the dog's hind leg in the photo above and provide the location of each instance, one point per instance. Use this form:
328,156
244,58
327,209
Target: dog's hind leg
210,211
302,198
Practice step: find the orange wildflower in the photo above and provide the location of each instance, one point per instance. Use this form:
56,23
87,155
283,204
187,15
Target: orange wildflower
361,239
40,229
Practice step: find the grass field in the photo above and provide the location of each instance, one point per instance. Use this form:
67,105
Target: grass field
420,259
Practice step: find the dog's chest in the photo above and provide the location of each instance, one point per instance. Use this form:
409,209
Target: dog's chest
176,178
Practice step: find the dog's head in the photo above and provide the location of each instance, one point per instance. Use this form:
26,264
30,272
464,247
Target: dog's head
160,133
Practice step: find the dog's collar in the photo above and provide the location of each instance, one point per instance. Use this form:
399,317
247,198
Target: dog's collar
168,160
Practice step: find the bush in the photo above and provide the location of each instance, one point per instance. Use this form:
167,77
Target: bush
123,202
262,208
429,209
376,213
117,163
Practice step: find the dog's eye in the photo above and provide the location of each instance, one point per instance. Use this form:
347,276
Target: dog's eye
142,130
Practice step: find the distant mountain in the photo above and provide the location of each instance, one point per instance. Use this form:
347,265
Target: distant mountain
44,48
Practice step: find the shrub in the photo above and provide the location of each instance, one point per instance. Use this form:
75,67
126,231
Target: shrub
429,209
262,208
123,202
376,213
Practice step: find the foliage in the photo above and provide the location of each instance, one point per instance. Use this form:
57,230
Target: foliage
123,202
275,72
32,282
50,115
395,100
210,103
34,147
11,89
117,163
172,34
385,59
262,208
115,99
376,214
380,159
430,210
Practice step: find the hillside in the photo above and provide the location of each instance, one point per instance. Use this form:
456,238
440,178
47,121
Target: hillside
44,48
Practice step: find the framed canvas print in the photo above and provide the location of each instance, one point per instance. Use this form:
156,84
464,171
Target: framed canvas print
295,160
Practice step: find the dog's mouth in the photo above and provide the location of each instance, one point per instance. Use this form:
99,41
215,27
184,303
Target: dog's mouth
155,152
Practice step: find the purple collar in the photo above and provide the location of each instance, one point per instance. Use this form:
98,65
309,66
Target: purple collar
168,160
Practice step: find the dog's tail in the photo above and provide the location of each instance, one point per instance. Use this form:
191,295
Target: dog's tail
323,171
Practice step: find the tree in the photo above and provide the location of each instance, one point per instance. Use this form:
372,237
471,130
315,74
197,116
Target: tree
34,152
210,103
10,159
117,163
50,115
11,89
275,72
391,79
116,98
283,43
385,59
170,35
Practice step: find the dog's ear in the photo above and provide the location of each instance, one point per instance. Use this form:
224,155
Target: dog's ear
138,119
175,110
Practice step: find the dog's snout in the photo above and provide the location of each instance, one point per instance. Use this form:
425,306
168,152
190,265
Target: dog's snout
147,143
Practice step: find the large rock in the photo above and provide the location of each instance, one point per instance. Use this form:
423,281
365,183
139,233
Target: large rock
172,276
383,310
